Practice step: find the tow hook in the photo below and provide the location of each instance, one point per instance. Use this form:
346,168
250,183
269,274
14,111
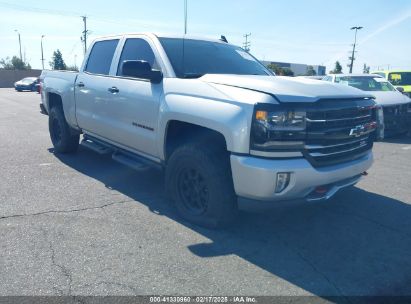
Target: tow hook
365,173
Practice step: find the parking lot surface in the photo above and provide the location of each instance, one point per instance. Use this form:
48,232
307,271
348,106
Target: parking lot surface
84,225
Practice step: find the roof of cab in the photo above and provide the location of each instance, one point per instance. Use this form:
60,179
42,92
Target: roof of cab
162,35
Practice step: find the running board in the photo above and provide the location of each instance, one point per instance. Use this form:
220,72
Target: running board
96,147
122,156
131,161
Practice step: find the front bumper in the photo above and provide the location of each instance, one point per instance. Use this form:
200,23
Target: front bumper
255,178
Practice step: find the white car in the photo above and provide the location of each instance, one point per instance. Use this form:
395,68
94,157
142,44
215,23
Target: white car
396,107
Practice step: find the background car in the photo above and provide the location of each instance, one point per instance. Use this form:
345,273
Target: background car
312,77
400,79
395,113
27,84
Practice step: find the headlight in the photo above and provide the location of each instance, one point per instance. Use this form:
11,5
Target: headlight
288,120
275,128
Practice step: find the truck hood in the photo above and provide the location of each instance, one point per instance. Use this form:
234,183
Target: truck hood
288,89
390,98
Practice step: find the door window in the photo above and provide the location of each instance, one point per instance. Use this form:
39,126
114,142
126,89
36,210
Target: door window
137,49
100,58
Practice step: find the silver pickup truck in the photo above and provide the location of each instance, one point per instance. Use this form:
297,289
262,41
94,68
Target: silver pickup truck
227,132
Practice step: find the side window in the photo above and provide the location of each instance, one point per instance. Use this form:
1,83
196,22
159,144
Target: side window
100,58
137,49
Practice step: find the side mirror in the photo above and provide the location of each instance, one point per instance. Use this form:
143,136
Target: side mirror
140,69
401,89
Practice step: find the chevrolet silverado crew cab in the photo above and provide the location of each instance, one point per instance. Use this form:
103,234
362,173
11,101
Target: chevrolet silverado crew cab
228,133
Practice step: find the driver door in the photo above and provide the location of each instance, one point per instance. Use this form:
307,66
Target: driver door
134,103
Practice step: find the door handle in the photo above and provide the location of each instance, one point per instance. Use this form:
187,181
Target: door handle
113,90
80,85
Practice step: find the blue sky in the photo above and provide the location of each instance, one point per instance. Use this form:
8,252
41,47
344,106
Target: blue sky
298,31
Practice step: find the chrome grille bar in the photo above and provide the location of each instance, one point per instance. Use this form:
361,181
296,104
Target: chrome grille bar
337,119
316,147
318,154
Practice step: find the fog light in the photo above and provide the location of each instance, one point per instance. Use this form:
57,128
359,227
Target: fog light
283,179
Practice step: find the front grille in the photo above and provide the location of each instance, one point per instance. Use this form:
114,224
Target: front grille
397,118
339,131
396,109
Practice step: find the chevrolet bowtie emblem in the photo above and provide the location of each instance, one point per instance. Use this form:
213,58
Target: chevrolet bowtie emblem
359,130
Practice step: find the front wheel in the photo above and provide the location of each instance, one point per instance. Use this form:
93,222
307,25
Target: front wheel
62,137
199,181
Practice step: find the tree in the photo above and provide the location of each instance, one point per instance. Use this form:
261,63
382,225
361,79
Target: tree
273,67
280,71
57,62
14,63
310,71
366,69
286,72
337,69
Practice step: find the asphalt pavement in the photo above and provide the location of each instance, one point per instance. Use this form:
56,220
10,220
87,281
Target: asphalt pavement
83,224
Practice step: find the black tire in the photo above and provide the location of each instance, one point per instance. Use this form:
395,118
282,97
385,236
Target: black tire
63,138
198,180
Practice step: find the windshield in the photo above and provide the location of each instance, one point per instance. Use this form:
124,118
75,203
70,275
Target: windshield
195,58
28,80
366,83
400,78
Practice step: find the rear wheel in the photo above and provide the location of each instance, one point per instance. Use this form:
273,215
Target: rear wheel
63,138
198,180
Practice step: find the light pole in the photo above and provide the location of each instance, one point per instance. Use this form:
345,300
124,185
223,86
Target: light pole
356,28
185,17
42,56
21,57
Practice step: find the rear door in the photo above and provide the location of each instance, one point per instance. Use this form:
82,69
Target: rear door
91,90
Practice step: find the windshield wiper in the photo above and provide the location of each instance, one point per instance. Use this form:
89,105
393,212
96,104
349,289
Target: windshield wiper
192,75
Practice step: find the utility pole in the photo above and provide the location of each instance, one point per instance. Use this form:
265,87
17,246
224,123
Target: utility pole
85,33
185,17
356,28
247,43
21,56
42,56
